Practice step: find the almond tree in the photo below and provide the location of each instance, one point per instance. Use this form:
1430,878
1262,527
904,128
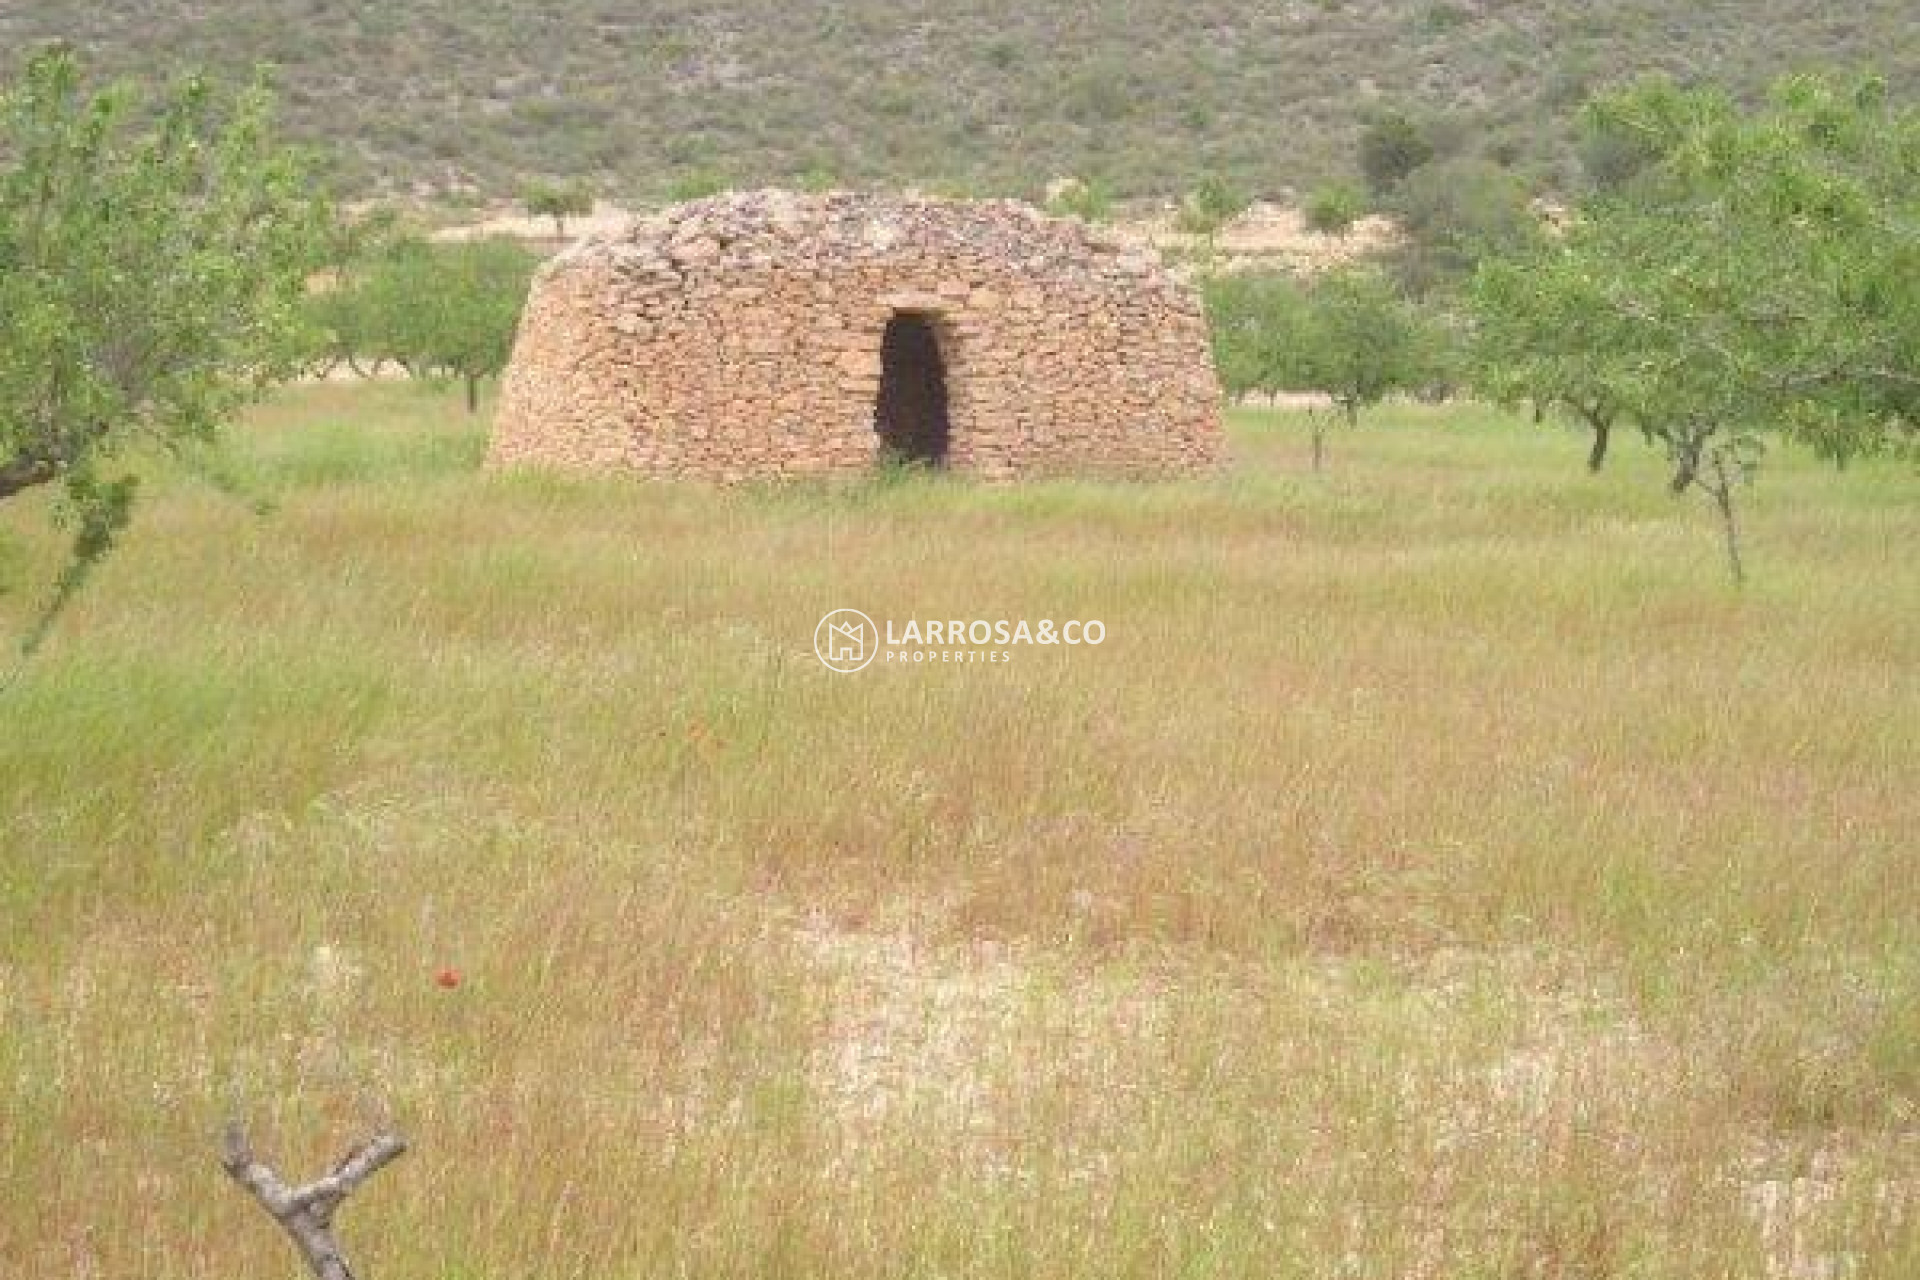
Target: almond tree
1254,320
1348,335
559,201
1760,275
449,310
1359,341
1538,321
151,271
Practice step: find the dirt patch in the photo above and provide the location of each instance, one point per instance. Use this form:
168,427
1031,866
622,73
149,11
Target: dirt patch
960,1040
1267,237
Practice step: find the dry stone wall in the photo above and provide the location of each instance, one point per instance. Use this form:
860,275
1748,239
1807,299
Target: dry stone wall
740,336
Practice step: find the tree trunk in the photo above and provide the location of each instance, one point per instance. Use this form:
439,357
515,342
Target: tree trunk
1686,467
1319,443
1597,456
1722,492
473,394
24,473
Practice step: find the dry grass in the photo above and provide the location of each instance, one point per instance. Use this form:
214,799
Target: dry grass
1439,871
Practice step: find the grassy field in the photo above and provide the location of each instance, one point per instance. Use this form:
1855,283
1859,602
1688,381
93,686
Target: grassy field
1439,871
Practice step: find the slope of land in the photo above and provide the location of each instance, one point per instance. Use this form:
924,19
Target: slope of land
991,95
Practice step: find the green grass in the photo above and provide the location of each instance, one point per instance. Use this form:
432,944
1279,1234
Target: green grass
1440,870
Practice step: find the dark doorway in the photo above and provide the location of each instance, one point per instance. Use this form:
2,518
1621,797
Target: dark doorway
910,414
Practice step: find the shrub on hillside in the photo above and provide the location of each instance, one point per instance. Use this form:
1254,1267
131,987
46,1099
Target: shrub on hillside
1393,145
1333,207
1454,212
1212,204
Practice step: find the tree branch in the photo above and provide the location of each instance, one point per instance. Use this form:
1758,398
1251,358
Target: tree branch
17,474
355,1168
306,1213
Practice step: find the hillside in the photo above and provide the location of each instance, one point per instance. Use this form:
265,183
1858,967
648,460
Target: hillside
990,95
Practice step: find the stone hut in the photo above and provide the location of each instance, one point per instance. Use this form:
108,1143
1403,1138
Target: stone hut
770,333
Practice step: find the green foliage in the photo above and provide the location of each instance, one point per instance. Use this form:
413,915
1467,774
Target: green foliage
341,327
1454,212
1210,206
1392,145
1255,321
696,184
1348,335
557,200
437,310
448,310
1538,320
1333,207
1102,92
150,284
1088,199
817,178
1361,341
1763,274
1613,152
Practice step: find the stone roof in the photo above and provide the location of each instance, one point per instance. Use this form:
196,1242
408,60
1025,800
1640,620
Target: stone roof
772,227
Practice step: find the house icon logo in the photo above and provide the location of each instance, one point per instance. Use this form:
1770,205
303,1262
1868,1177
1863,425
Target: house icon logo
846,640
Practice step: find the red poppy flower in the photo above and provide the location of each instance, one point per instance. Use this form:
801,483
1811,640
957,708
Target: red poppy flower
448,978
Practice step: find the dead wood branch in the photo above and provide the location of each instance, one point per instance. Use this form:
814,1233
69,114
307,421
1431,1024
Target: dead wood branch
306,1213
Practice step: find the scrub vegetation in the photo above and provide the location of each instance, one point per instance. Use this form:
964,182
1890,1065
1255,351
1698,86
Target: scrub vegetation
468,98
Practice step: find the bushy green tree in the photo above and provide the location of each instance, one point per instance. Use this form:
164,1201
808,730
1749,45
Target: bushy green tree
1359,342
342,329
1348,335
152,266
449,310
1762,275
1255,322
1537,320
557,200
